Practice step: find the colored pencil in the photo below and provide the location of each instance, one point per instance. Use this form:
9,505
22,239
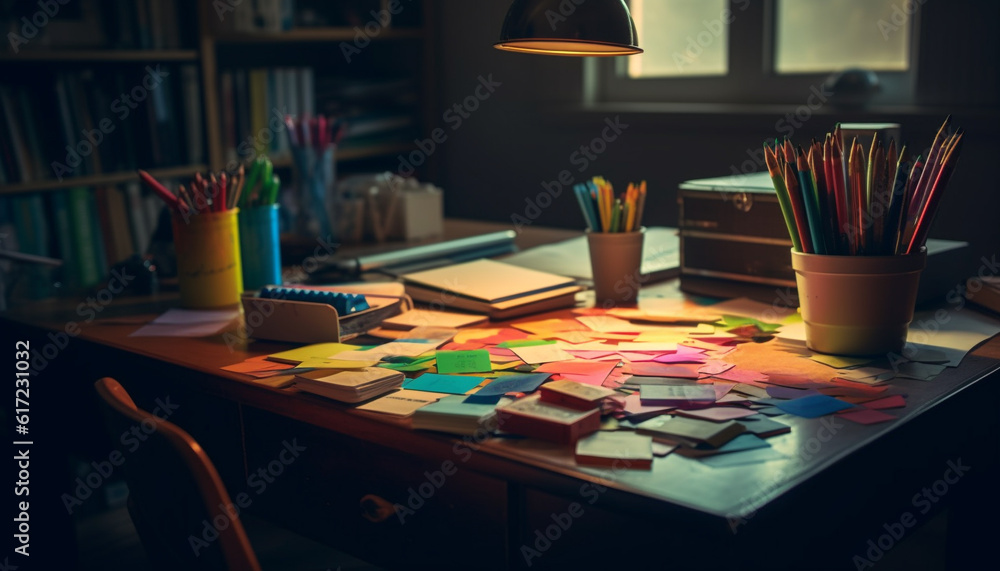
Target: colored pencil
605,212
838,198
786,206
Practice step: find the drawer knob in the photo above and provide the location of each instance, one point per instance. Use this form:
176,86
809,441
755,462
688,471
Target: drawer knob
376,509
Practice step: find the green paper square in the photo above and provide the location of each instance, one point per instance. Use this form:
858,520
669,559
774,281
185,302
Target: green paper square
475,361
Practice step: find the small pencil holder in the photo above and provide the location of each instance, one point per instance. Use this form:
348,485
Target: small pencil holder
208,259
857,305
261,246
616,259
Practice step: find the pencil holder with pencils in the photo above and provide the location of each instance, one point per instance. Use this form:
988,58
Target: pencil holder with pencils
203,218
314,208
858,222
614,238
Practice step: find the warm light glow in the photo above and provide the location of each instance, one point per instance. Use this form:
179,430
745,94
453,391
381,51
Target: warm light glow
566,48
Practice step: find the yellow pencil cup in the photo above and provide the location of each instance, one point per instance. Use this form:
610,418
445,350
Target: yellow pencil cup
208,259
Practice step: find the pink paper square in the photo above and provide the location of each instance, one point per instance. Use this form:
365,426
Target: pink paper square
867,416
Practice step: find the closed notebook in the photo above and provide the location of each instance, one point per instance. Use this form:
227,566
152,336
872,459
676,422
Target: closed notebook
622,449
455,415
689,431
488,280
530,416
349,386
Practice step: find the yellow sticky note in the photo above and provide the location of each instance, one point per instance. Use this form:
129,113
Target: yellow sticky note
318,350
321,363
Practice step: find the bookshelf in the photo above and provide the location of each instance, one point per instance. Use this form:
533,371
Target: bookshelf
100,179
223,49
98,203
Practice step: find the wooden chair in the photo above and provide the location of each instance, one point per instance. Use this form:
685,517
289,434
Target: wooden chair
175,493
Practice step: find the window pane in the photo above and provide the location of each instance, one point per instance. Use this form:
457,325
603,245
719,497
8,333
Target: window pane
831,35
680,37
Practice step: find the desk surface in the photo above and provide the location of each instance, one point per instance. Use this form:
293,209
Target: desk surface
678,485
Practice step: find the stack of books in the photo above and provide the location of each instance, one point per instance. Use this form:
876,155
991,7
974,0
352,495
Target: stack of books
530,416
349,386
452,414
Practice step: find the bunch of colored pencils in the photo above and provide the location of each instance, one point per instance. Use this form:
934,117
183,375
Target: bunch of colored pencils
313,140
606,213
317,132
220,191
261,186
836,201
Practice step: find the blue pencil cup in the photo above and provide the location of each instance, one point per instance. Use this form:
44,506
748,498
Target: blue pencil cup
260,246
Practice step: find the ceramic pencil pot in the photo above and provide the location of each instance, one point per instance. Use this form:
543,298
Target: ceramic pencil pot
260,246
616,260
208,259
857,305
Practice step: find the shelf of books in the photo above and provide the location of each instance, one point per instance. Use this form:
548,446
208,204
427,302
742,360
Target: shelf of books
177,87
99,55
319,35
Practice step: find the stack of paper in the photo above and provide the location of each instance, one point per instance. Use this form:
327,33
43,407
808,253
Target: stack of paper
453,414
492,288
349,386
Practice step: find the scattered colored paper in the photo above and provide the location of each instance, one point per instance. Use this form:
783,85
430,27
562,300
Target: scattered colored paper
541,354
812,406
867,416
894,401
400,403
448,384
492,392
718,413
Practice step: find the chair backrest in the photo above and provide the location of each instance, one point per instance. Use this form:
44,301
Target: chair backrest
180,507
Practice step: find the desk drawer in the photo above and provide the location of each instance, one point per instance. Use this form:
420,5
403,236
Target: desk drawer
341,491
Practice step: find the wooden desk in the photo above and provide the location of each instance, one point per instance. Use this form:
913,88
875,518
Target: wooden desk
490,504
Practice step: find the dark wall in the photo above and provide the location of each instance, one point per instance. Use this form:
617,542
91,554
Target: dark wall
493,165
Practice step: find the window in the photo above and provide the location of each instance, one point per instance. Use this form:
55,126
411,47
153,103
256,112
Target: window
758,51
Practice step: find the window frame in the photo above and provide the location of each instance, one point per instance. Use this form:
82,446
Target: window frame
751,78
